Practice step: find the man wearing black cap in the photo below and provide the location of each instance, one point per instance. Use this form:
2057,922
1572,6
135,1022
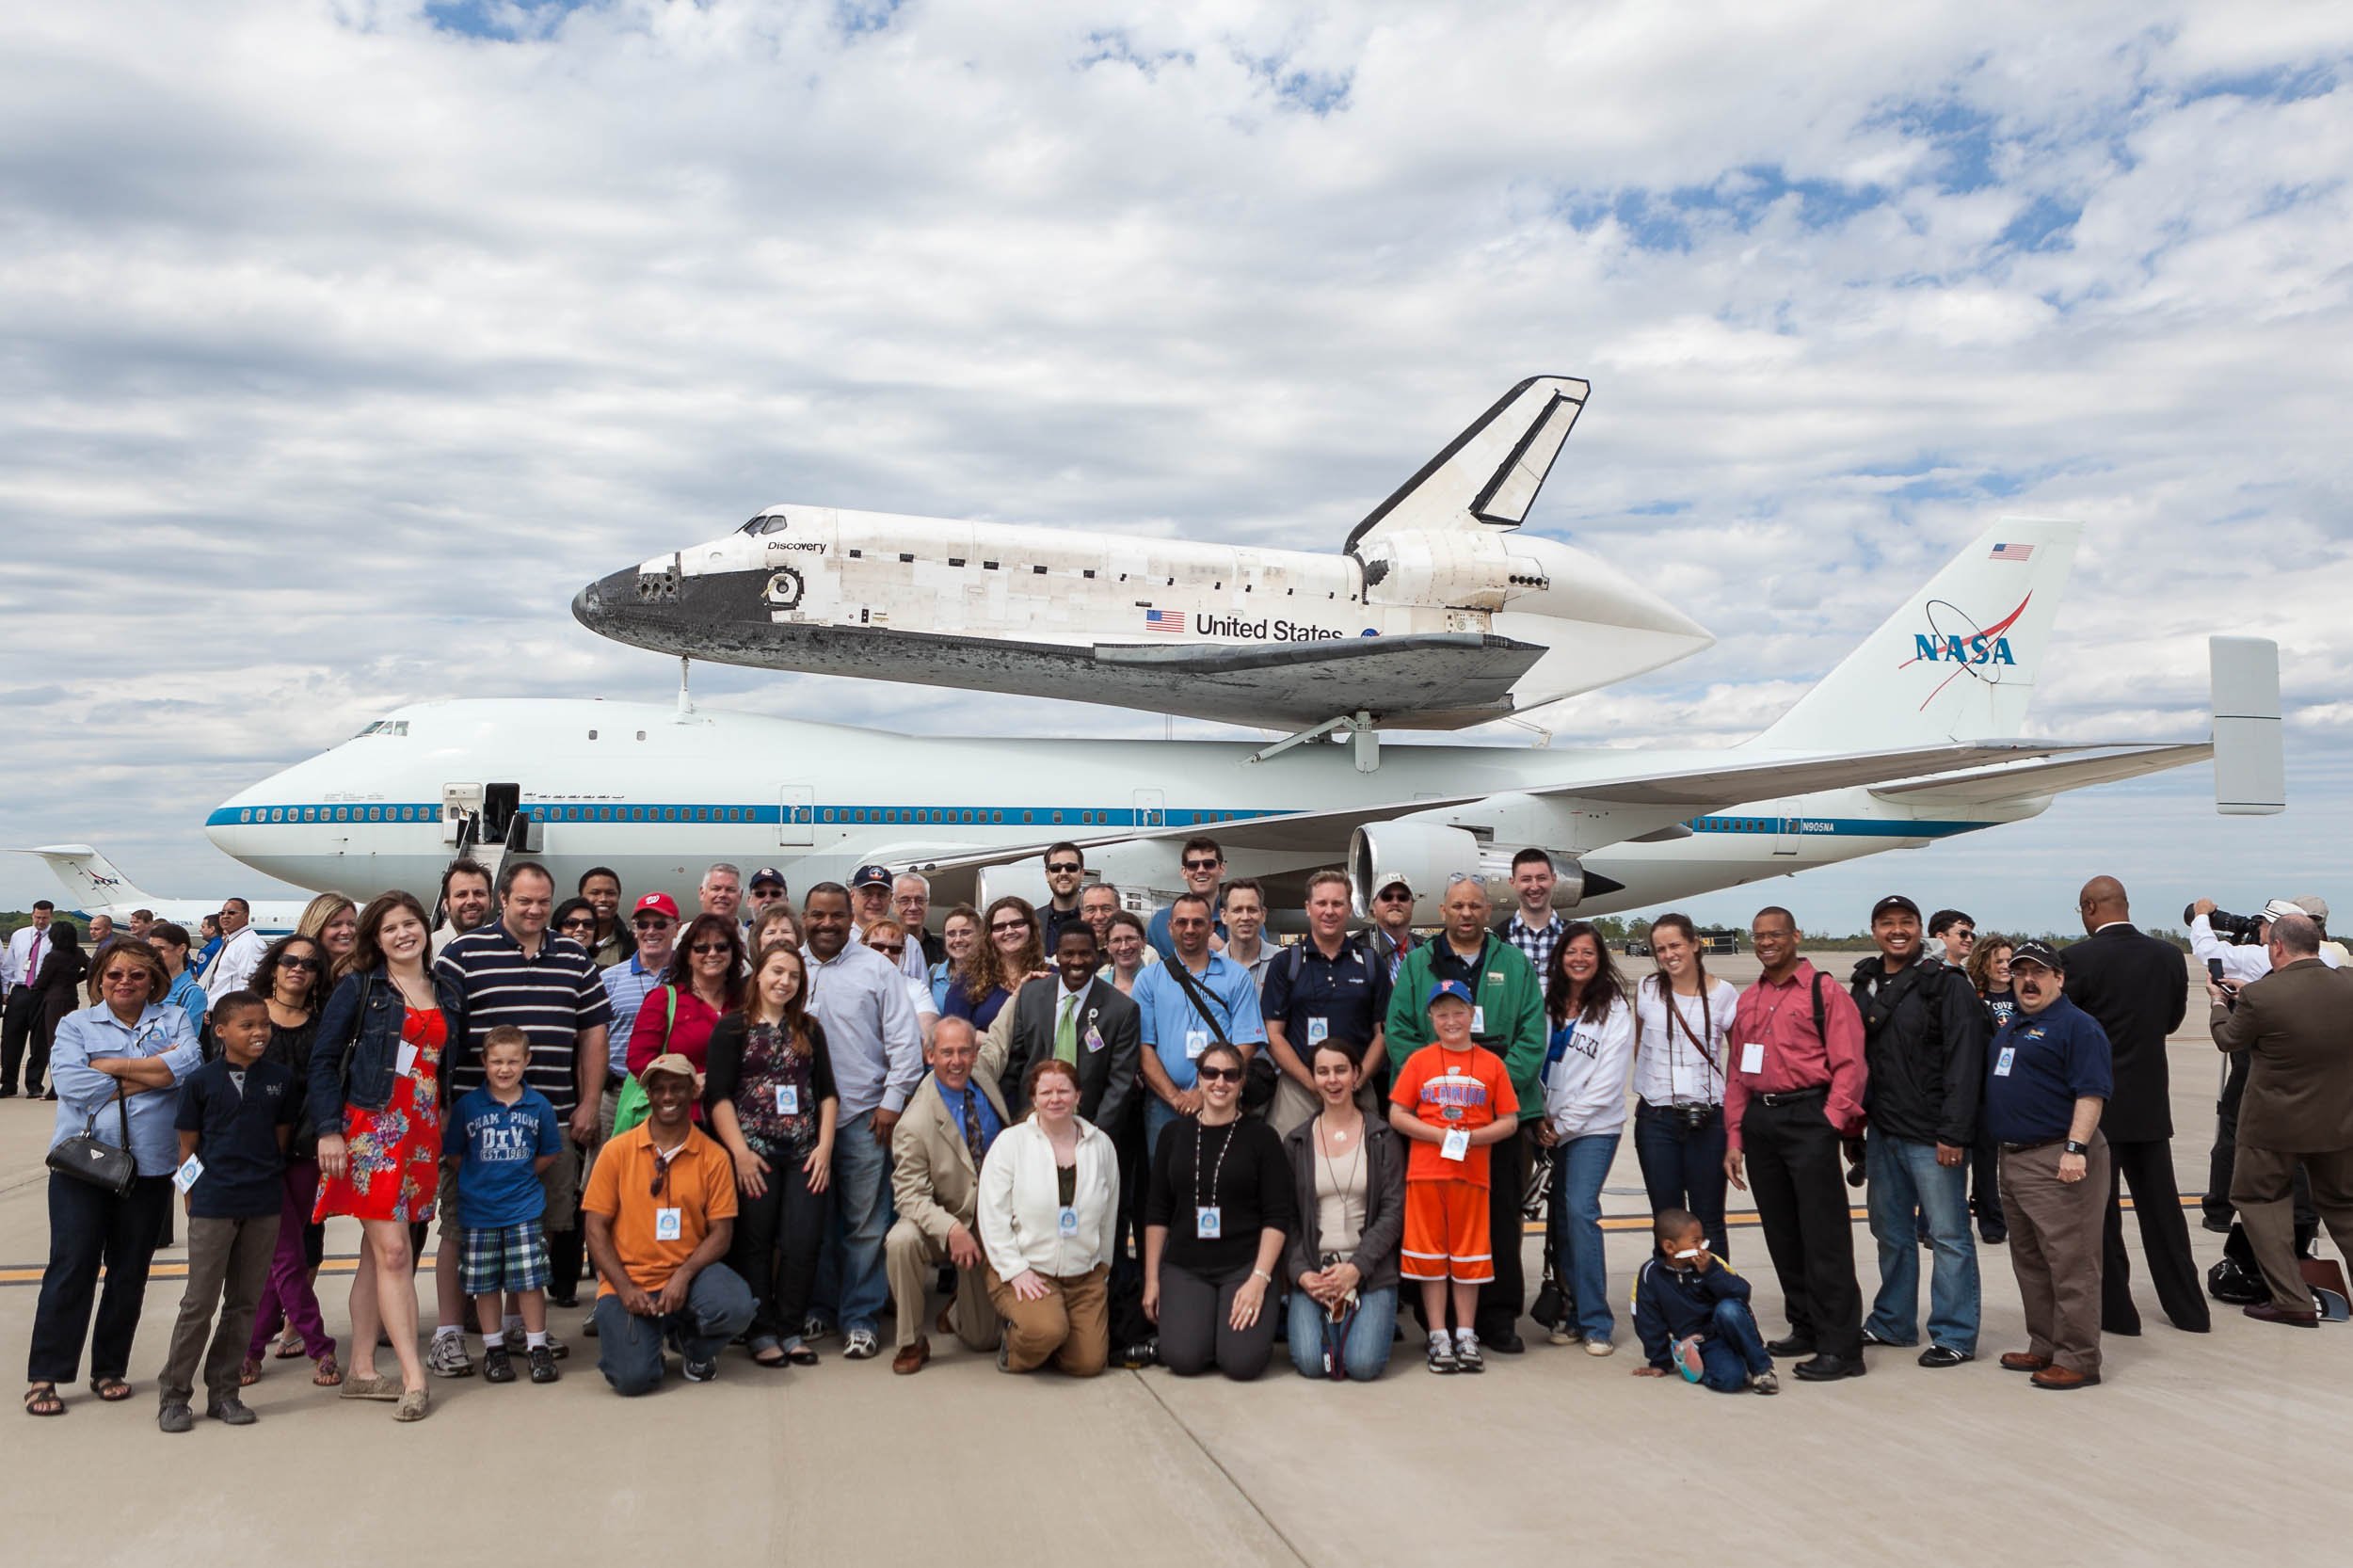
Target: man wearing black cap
768,888
2047,1078
870,894
1924,1047
2138,989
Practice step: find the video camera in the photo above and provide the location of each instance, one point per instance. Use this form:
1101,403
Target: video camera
2245,931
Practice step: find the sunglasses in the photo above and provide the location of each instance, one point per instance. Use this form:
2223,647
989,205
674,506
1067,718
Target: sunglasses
1399,897
894,948
1219,1074
1964,935
293,962
580,922
654,922
1202,865
1002,926
1061,867
661,1182
712,946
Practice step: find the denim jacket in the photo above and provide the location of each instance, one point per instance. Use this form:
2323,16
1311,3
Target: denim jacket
359,1043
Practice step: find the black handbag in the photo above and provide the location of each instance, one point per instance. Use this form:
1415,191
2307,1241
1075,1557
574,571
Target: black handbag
103,1165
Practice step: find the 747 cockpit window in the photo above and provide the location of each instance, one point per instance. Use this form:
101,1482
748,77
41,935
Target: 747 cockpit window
767,522
386,726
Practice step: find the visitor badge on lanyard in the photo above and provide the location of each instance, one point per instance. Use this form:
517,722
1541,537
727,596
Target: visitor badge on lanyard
1209,1222
1457,1146
1066,1221
1752,1057
1093,1039
185,1176
407,1064
1479,1020
1319,1030
1196,1041
2001,1063
666,1225
788,1100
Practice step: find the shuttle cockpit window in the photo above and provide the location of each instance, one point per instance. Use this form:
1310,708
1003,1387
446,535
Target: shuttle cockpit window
767,522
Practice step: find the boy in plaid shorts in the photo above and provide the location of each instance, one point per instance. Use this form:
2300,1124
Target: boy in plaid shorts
511,1135
1453,1098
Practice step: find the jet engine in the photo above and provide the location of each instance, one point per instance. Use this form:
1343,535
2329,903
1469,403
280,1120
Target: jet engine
1428,855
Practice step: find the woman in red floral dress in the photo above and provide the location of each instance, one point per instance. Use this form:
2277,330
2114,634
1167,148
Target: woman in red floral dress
376,1077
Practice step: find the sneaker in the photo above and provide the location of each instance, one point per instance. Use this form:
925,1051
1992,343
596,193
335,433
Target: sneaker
859,1344
1765,1383
1442,1357
542,1365
1688,1359
1139,1355
498,1365
814,1328
697,1371
1561,1333
1466,1357
175,1417
1943,1356
446,1357
230,1411
557,1347
1596,1345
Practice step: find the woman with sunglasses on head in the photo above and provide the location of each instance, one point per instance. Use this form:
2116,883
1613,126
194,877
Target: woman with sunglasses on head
1592,1044
1008,955
131,1043
704,984
1215,1218
293,981
1683,1032
960,933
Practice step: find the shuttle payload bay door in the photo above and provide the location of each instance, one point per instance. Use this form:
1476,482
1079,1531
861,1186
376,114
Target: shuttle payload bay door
796,815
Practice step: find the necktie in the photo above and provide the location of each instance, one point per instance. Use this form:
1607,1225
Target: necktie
972,1128
1066,1031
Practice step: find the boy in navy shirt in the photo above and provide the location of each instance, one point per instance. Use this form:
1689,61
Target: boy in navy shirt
237,1115
1692,1313
512,1134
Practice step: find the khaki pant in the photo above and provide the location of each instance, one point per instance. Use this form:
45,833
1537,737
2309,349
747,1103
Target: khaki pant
2263,1184
909,1257
1071,1325
2054,1229
227,1264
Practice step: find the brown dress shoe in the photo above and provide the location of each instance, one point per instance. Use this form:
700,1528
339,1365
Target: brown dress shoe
912,1359
2022,1360
2271,1312
945,1324
2061,1378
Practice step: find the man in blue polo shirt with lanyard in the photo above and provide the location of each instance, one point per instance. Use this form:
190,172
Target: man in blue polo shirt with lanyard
2047,1078
1175,1032
1328,987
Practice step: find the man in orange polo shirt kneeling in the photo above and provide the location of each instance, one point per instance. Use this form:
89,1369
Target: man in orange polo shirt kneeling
660,1211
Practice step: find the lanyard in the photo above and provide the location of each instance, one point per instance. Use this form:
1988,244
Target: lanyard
1218,1172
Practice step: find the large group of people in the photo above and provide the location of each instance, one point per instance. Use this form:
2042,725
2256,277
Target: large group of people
1062,1135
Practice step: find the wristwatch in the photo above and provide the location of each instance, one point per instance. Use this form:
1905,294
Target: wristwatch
2074,1147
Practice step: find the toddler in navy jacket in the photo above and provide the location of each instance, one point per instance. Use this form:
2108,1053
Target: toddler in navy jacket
1692,1314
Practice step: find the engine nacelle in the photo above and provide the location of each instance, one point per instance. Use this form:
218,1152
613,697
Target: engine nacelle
1428,854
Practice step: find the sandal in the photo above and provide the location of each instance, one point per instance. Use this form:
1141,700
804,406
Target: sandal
112,1390
41,1399
328,1375
249,1372
357,1387
801,1356
291,1347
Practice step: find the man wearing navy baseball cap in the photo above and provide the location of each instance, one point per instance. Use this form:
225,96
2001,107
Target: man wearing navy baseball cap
768,888
870,891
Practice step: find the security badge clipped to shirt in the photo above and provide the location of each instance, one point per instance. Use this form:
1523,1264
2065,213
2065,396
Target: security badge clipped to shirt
1457,1144
1196,1041
1319,1030
788,1100
667,1224
1066,1221
407,1063
1752,1057
2002,1063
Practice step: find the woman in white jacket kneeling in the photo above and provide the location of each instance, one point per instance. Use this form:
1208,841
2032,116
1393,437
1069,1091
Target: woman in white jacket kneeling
1049,1206
1584,1076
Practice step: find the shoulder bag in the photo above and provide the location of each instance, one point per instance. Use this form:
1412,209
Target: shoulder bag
630,1108
103,1165
1258,1074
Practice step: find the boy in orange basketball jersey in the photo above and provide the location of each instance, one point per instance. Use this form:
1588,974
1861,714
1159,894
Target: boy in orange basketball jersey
1452,1099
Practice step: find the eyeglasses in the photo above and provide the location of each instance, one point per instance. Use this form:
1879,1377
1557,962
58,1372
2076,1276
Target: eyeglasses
1061,868
712,946
1219,1074
895,949
1002,926
1202,865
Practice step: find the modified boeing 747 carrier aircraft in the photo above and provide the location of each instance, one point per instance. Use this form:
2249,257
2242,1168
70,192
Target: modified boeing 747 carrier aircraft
1912,739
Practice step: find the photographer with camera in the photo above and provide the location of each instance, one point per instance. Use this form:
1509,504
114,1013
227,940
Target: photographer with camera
2235,952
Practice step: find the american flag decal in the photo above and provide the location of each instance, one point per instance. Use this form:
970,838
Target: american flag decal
2012,553
1163,620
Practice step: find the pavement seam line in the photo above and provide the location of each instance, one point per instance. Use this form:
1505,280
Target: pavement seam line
1194,1438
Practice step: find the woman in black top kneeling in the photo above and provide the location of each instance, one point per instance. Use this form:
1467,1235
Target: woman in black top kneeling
1215,1219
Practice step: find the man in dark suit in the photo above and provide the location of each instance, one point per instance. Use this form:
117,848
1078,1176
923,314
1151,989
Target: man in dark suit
2138,988
2297,1025
1080,1018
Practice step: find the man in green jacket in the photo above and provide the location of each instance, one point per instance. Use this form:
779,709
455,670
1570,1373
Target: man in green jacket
1509,1020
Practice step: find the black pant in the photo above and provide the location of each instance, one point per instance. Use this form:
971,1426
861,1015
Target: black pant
1129,1325
1502,1298
2146,1166
1197,1330
778,1238
21,1023
1799,1180
88,1226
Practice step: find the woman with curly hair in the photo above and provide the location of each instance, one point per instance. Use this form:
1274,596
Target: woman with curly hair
1008,953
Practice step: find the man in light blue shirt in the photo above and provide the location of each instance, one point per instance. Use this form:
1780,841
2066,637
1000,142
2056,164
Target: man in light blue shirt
1175,1032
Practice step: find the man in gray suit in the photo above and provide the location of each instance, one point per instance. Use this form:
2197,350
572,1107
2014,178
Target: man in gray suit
2297,1024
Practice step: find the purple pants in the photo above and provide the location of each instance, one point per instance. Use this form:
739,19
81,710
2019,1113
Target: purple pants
288,1293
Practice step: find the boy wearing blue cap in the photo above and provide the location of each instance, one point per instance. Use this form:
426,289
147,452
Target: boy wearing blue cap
1452,1099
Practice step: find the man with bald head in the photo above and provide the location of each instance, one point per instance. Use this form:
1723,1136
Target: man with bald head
2138,988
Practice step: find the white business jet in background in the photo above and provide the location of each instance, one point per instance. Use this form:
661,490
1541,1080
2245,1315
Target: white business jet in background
98,888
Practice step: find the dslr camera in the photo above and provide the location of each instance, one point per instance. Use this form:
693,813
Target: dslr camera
2238,930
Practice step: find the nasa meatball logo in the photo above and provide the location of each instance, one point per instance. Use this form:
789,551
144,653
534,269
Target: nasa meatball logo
1954,637
784,588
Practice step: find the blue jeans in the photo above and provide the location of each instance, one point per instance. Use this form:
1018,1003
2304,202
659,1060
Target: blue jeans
628,1348
861,1185
1733,1349
1683,1167
1578,1168
1366,1349
1156,1119
1905,1177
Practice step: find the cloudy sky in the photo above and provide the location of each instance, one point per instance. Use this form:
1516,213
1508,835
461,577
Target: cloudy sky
344,342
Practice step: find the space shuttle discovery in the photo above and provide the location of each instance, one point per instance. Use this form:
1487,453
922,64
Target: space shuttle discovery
1434,614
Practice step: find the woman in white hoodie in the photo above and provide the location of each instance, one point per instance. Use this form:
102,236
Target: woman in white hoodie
1049,1206
1586,1059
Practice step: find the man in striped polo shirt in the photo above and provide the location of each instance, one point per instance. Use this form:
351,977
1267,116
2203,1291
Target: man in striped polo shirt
514,972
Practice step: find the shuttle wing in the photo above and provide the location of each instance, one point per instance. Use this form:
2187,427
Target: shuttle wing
1437,679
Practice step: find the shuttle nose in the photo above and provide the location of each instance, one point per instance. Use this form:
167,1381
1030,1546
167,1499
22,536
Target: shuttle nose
600,605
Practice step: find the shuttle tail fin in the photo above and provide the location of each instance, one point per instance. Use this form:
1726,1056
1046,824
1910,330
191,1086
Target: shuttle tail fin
1958,660
90,876
1490,473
